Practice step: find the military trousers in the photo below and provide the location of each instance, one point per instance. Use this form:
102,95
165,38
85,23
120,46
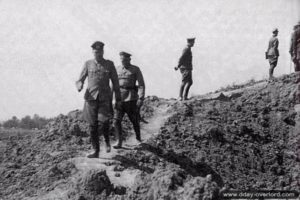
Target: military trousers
186,75
297,65
95,110
130,108
97,114
273,63
102,128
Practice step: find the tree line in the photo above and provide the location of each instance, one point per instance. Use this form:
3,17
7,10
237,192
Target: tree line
26,122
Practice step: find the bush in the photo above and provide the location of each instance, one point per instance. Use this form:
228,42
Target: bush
36,122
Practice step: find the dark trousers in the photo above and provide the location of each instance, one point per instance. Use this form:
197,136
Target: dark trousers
132,111
184,89
97,114
187,82
297,65
273,64
102,128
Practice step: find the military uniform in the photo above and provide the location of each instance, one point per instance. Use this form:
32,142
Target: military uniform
98,96
131,96
186,67
273,53
295,47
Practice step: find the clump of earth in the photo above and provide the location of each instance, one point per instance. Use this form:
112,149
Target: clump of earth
242,139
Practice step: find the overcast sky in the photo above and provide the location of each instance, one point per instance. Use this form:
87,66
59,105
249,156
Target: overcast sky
43,45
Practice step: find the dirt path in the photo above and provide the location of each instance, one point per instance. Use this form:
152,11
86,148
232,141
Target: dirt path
126,177
107,162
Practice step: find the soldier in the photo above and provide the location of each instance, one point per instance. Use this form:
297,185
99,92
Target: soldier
185,65
272,53
98,97
295,47
132,96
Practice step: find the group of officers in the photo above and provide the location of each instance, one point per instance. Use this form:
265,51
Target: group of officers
98,107
272,52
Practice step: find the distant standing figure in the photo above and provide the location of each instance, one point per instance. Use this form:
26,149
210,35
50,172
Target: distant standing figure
132,96
295,47
185,65
272,53
98,109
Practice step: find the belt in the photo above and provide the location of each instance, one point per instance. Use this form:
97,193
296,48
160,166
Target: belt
129,87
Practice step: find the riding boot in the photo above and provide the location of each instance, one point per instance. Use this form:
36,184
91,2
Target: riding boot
118,128
104,128
94,138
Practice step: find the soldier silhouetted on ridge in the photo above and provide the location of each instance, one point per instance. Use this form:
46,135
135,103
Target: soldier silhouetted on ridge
185,66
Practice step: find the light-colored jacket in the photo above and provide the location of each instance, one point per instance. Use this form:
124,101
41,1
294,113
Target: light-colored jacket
272,50
127,80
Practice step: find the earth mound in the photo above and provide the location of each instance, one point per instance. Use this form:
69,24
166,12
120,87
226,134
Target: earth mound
241,139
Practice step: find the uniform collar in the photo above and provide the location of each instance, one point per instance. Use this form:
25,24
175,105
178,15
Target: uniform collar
123,67
95,60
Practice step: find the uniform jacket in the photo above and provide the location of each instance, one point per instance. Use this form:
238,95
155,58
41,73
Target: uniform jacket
185,60
99,75
272,50
295,44
127,81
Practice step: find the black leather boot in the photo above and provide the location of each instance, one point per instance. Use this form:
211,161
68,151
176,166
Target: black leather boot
104,128
118,129
94,155
94,137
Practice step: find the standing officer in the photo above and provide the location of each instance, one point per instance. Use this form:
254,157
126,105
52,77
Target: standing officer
272,53
132,96
185,65
295,47
98,97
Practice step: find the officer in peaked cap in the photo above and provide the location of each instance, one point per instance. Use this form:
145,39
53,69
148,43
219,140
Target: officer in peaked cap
189,40
132,96
272,52
186,66
275,30
125,54
97,109
97,45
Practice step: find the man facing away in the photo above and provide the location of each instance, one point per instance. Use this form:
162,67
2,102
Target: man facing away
185,65
132,96
98,97
295,47
272,53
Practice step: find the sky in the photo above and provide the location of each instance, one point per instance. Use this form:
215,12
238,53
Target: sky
44,43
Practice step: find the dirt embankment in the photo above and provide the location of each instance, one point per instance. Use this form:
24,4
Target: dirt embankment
248,140
243,139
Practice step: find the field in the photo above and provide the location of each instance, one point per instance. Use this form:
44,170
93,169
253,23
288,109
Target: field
6,133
